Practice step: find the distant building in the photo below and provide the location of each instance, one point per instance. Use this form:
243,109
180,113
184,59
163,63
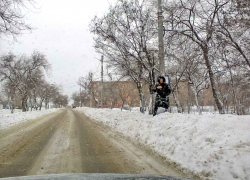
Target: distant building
115,94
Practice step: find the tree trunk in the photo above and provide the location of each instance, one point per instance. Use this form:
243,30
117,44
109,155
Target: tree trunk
31,105
188,98
212,81
12,109
139,86
12,105
41,104
151,103
46,104
236,108
24,102
27,107
177,103
196,100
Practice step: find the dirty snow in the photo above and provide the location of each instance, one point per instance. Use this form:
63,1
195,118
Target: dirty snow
7,119
211,146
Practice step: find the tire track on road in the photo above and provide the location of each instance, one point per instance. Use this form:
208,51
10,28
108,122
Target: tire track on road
114,150
62,152
20,145
98,153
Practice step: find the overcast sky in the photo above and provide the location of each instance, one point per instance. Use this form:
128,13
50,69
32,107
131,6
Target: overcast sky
62,34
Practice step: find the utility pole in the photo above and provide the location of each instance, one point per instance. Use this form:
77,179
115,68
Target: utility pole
160,38
102,81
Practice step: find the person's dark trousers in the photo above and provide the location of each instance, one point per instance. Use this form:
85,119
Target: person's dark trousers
161,102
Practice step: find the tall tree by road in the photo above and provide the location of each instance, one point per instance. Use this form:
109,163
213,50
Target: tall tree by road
126,38
21,73
196,20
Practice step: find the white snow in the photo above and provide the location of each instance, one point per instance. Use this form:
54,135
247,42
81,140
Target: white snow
212,146
7,119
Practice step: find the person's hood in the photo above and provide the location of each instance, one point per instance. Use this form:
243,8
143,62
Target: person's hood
158,79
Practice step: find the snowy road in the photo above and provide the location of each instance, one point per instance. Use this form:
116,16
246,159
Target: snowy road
67,141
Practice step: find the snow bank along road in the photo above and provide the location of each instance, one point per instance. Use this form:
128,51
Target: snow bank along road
67,141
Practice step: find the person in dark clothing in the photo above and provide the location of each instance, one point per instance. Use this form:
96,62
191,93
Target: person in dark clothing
163,90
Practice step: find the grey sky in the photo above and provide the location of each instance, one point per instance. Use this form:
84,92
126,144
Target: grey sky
62,34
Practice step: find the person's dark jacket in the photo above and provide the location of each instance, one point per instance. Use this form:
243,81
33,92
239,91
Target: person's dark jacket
164,91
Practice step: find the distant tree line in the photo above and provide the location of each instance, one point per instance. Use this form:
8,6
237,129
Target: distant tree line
82,97
23,79
207,46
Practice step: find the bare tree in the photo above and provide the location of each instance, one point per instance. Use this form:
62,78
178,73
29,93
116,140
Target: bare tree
10,90
125,37
76,99
51,91
234,28
124,91
196,20
60,100
12,17
86,92
33,99
43,91
198,80
21,73
178,52
33,68
3,99
207,45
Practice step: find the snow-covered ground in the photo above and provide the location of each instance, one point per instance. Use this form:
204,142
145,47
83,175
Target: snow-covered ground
211,146
7,119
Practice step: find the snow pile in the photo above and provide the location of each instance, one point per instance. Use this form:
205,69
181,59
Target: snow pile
211,146
7,119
